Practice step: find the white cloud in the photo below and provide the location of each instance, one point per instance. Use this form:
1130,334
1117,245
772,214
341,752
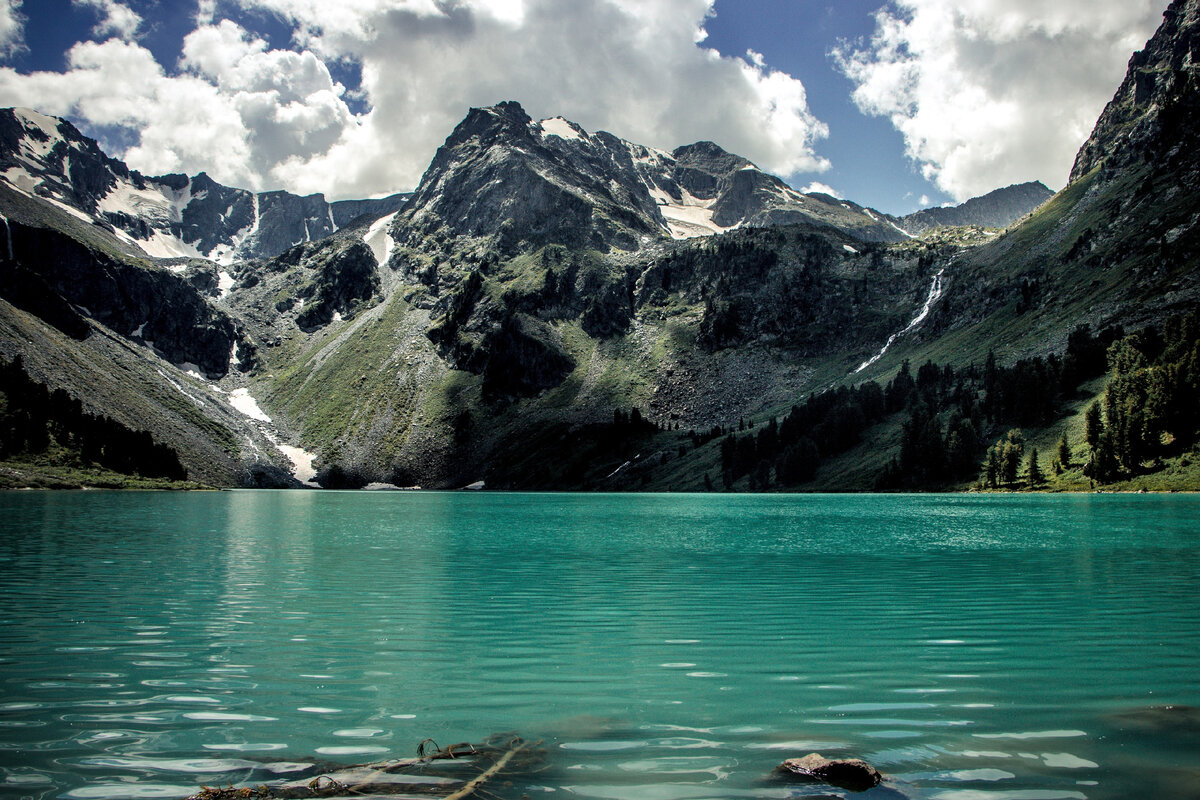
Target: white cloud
206,12
257,117
237,110
12,28
992,92
626,66
816,187
116,18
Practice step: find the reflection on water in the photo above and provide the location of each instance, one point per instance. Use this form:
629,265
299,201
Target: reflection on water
664,647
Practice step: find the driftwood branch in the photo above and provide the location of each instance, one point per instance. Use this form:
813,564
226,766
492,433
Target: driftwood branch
487,775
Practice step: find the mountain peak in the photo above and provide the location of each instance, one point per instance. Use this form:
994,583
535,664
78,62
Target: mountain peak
488,122
1156,101
711,156
996,209
510,109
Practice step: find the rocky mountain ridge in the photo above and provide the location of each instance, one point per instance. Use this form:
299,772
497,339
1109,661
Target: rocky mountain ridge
169,216
500,174
542,276
696,190
996,209
1153,114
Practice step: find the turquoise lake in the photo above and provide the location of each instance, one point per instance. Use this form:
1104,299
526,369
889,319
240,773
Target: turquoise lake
667,647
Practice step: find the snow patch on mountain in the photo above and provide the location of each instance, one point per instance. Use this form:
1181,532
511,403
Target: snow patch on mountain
150,203
163,245
689,217
302,463
564,129
36,119
21,180
241,400
74,212
379,240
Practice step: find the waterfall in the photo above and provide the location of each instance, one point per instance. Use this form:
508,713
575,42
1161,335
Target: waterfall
935,292
8,231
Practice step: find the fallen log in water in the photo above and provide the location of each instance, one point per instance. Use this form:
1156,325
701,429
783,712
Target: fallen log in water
453,773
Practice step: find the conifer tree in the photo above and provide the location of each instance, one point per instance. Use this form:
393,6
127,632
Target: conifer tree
1094,425
1035,471
1064,451
1012,447
992,470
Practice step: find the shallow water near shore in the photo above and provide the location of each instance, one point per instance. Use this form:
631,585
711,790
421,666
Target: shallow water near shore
663,646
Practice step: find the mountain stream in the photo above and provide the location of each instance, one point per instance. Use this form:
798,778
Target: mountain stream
935,293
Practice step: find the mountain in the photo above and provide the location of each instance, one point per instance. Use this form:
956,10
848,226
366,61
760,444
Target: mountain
1151,119
168,216
526,183
553,308
1119,244
996,209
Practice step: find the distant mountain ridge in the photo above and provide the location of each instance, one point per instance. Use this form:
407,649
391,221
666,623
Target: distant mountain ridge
571,187
168,216
996,209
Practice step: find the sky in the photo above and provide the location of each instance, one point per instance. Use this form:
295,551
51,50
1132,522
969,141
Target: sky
895,104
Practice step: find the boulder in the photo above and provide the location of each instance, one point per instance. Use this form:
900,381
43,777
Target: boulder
845,773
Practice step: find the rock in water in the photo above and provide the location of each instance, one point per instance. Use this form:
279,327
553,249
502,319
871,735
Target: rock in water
845,773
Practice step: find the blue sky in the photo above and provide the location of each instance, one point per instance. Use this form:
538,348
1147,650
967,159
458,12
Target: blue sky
866,153
896,104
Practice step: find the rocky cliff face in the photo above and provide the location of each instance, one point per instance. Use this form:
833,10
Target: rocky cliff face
154,306
1155,114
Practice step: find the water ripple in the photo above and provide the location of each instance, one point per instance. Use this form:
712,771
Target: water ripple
663,647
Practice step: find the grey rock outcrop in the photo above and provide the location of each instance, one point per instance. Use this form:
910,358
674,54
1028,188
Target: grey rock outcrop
1155,115
345,279
853,774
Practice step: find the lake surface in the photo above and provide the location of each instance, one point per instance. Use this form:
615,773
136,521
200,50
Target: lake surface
664,647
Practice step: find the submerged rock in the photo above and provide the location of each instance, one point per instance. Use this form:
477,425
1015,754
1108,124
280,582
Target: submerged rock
1172,720
845,773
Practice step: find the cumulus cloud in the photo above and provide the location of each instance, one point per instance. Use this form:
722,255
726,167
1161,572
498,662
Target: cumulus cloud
816,187
12,28
236,109
116,18
992,92
625,66
279,120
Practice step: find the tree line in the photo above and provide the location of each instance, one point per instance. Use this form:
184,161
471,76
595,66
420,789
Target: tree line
947,414
33,419
1151,404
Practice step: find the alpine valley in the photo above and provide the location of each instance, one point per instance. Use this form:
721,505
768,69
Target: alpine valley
554,308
